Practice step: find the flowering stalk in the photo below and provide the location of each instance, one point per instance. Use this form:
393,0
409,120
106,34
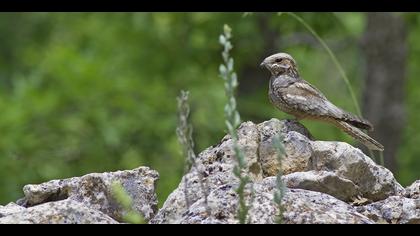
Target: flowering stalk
233,119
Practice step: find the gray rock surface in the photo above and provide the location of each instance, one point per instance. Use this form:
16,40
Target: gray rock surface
324,182
94,191
395,210
295,143
413,191
324,179
301,206
10,209
59,212
85,199
374,181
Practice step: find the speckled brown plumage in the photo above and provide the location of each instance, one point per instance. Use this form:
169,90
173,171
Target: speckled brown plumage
293,95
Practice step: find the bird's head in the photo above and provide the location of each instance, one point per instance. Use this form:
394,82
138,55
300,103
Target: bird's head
280,63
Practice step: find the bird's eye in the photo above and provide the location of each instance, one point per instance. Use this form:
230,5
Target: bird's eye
279,60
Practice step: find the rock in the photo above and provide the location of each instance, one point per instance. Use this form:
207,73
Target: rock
413,191
350,165
248,142
300,206
10,209
297,147
216,165
94,191
318,174
59,212
309,207
324,182
395,210
374,182
217,162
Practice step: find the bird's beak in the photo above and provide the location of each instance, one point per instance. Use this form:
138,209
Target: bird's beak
262,64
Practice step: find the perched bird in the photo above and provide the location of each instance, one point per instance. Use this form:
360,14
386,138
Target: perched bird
293,95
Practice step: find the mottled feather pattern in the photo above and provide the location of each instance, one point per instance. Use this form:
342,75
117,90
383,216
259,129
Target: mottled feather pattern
304,97
359,135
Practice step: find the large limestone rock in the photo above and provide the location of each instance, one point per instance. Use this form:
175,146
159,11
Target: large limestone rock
59,212
374,181
324,180
94,191
86,199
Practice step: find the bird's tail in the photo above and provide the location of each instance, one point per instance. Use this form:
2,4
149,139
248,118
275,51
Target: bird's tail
357,121
359,135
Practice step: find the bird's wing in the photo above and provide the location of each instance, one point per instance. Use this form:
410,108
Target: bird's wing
303,97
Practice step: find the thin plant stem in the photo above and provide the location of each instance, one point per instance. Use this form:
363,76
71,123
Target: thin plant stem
233,121
184,133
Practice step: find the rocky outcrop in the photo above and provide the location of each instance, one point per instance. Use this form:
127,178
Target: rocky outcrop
324,182
86,199
60,212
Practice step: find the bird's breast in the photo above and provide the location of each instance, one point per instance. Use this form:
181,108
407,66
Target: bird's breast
277,100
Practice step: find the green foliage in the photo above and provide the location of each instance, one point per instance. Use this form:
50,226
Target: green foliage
98,95
121,196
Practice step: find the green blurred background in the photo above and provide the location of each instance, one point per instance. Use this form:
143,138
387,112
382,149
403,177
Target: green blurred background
95,92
